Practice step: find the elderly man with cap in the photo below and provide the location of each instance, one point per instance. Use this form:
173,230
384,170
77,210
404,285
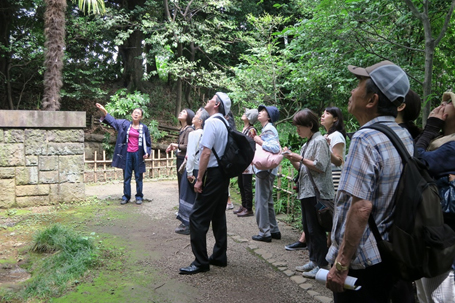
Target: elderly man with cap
245,180
212,188
265,211
367,186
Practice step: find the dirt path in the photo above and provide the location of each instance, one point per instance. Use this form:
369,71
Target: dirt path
256,271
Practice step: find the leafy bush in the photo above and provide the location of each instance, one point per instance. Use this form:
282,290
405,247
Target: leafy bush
122,104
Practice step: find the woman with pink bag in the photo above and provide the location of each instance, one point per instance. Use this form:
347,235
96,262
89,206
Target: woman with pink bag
265,211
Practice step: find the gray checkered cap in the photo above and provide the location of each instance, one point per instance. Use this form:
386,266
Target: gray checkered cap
388,77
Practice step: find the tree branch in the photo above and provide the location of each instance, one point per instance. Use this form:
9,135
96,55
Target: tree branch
446,23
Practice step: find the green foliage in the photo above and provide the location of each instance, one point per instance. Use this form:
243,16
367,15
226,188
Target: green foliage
154,131
69,256
109,148
123,104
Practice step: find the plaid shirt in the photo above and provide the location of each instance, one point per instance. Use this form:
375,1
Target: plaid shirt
371,172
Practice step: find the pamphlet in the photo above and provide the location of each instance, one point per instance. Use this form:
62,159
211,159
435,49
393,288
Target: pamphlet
321,277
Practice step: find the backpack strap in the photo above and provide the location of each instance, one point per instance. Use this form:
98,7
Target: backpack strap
393,137
404,154
228,129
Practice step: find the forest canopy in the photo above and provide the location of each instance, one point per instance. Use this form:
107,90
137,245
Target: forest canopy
292,54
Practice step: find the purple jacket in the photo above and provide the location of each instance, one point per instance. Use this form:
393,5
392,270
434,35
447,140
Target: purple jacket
122,126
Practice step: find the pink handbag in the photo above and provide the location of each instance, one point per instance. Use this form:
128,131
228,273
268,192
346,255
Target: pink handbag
264,160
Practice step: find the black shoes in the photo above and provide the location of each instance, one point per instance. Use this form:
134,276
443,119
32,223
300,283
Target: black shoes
296,246
124,201
276,236
262,238
193,269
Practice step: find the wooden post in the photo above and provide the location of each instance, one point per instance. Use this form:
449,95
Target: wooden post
94,168
153,163
278,183
104,165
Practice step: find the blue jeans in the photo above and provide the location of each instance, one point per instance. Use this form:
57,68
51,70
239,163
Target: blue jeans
133,160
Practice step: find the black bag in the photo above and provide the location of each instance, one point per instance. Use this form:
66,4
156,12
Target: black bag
238,154
324,207
420,244
325,216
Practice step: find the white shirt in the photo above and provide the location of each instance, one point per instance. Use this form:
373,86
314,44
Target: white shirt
215,135
192,161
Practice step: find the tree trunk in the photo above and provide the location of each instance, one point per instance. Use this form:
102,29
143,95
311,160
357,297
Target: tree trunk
131,53
178,103
151,65
5,24
429,56
54,30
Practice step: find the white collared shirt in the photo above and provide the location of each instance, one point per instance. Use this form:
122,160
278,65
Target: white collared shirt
215,135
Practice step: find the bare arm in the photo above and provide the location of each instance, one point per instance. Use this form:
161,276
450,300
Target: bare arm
356,222
336,156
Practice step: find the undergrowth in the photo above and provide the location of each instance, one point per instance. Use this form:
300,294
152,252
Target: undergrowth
62,257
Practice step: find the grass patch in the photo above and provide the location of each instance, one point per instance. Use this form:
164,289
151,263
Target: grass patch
62,256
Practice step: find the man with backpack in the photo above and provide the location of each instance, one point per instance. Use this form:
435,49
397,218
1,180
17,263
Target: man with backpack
367,186
212,191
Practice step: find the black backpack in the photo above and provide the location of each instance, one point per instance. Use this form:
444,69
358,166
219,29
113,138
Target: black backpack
238,155
420,244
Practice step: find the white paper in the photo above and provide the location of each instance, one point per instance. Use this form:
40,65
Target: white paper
321,277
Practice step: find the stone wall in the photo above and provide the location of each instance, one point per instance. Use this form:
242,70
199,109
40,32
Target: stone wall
41,157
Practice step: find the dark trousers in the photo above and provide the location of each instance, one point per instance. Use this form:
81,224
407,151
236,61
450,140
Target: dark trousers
376,281
180,160
133,160
210,206
246,190
315,235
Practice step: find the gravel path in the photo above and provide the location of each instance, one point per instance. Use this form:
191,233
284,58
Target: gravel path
256,272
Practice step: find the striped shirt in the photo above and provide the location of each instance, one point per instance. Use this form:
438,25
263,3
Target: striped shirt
371,172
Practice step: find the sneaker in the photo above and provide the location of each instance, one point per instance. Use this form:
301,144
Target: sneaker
245,213
296,246
311,274
124,201
138,201
239,210
307,267
182,229
229,206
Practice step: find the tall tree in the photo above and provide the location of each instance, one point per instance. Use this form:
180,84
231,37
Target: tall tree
54,30
432,39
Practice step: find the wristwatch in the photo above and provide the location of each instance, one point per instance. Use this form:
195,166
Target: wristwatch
339,267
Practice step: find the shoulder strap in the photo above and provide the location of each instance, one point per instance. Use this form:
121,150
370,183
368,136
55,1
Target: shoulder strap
404,154
393,137
227,128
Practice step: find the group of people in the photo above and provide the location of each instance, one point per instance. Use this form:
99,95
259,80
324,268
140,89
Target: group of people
369,177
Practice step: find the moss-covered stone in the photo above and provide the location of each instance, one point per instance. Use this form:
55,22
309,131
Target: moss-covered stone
48,177
26,175
31,160
29,201
7,198
47,163
14,136
12,154
32,190
35,142
66,148
71,135
7,172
